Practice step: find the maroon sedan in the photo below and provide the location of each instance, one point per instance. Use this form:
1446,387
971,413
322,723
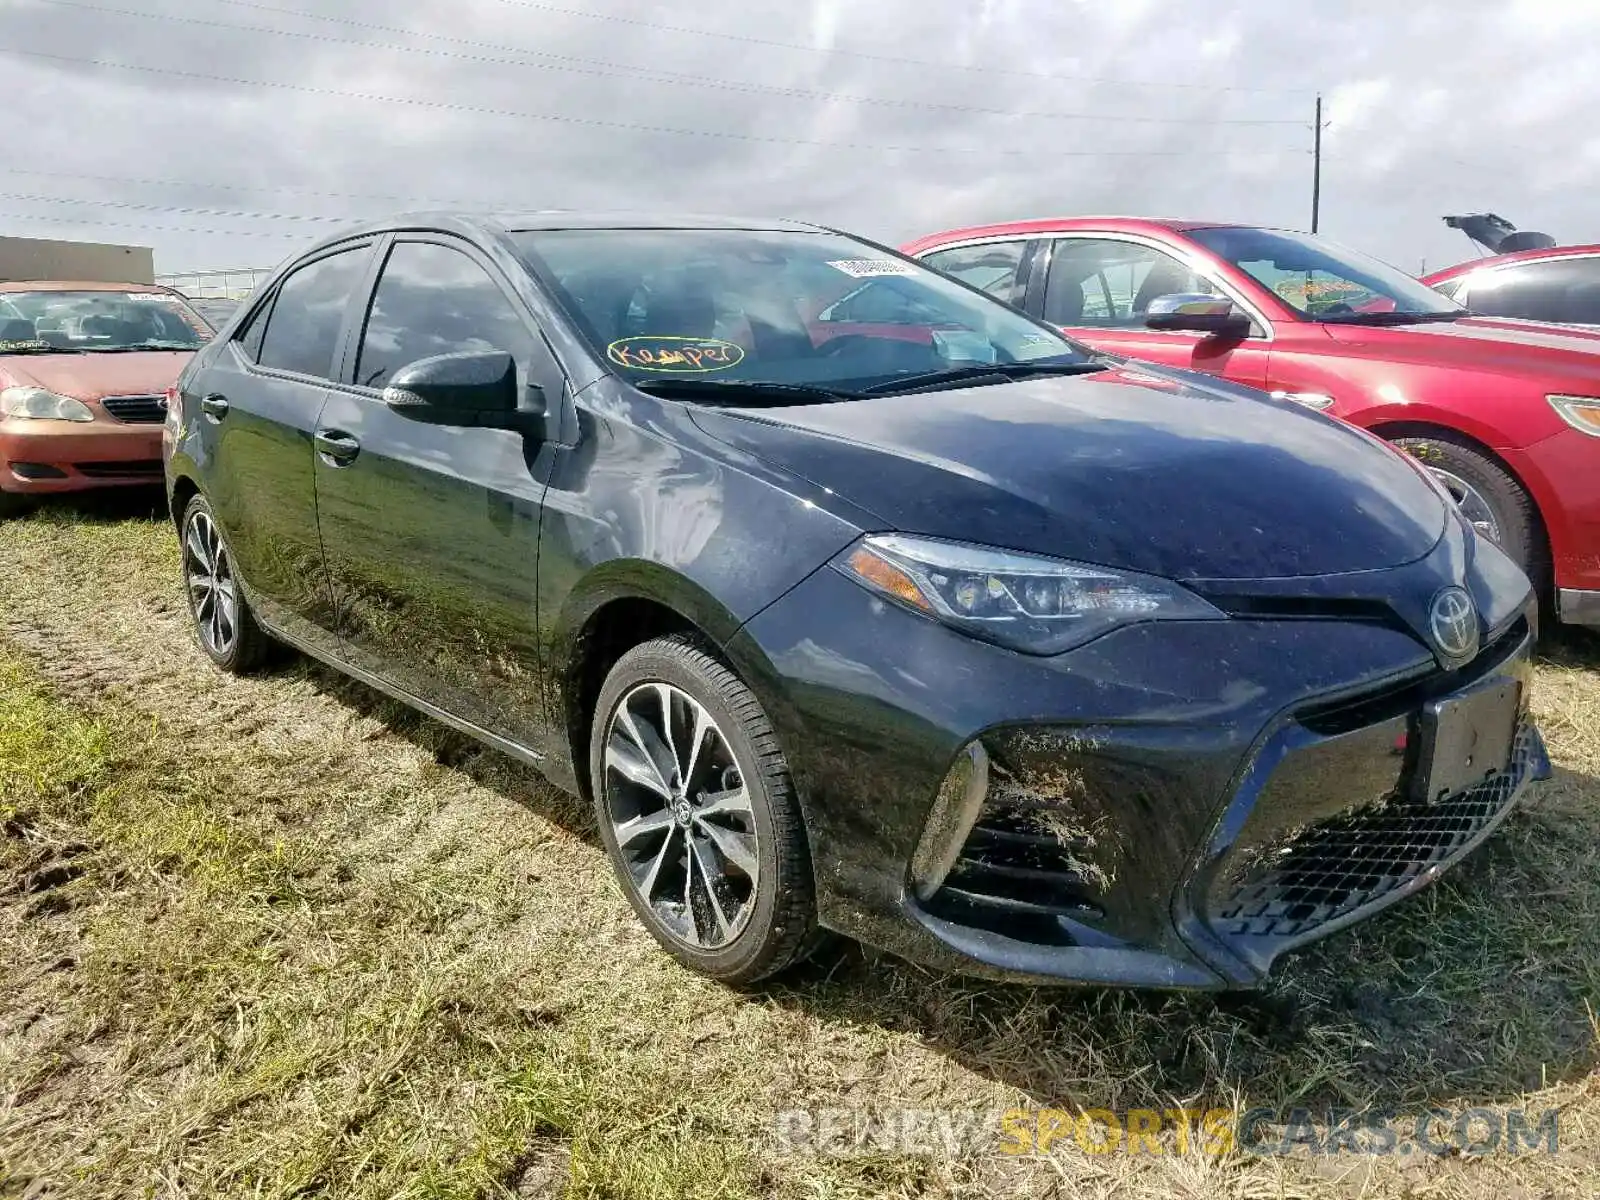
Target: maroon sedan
1505,412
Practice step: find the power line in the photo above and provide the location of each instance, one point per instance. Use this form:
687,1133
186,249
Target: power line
886,58
604,69
198,185
170,208
599,123
96,224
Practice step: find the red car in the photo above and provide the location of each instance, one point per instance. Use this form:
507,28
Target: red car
1556,283
1505,412
84,371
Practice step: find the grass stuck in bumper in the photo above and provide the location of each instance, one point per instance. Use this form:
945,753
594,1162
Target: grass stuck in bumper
281,937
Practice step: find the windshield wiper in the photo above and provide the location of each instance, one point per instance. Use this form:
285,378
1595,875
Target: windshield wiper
979,374
744,392
1392,318
139,348
38,348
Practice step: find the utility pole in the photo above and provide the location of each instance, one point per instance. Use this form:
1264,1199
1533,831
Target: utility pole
1316,166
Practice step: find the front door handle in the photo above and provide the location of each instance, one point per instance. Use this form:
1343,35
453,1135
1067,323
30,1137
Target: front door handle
214,406
338,449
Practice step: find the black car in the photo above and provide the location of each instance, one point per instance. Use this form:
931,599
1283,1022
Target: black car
912,621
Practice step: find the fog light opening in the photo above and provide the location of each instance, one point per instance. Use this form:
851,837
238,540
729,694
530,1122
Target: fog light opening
955,810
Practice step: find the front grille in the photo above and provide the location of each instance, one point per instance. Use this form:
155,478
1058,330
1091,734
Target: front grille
137,468
1351,862
137,410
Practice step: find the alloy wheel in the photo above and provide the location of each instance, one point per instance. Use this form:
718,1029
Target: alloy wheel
1471,502
213,593
681,815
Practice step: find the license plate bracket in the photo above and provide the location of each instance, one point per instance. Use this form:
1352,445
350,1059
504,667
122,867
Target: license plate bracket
1466,738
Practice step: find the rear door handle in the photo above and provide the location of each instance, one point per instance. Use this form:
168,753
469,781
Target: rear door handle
338,449
214,406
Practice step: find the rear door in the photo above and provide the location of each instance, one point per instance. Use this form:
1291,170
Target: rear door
257,402
1098,289
431,532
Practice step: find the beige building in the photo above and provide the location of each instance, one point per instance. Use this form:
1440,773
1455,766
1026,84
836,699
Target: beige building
42,258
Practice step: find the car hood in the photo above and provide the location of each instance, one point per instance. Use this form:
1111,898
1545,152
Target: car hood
91,376
1149,470
1493,344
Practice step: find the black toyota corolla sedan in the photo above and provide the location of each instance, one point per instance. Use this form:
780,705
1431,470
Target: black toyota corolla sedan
856,600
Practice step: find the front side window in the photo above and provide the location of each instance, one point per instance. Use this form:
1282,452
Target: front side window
433,300
1322,280
99,322
303,326
1562,290
818,309
1102,282
991,266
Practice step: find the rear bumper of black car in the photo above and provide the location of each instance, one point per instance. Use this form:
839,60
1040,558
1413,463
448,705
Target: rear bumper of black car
1174,805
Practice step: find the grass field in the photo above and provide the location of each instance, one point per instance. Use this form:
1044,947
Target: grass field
281,937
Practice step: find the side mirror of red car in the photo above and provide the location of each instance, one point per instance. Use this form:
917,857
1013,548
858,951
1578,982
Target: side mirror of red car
1197,313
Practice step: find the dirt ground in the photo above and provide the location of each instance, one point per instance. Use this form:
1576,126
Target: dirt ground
281,937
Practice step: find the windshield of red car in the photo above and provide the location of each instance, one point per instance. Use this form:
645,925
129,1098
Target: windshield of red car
1322,279
762,306
98,321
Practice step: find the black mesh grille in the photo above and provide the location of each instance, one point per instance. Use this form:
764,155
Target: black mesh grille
1350,862
137,410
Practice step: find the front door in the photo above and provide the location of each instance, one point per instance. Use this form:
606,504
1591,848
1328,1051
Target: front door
431,532
1098,290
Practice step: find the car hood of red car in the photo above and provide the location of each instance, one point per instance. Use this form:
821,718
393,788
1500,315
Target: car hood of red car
91,376
1503,346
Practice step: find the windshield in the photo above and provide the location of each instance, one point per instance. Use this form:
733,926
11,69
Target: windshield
98,321
1320,279
761,307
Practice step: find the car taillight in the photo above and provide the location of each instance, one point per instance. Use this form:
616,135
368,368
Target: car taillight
174,407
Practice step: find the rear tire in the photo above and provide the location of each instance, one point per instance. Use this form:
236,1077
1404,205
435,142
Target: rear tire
698,814
1486,493
224,625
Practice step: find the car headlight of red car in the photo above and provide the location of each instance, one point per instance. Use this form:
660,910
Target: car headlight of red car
38,404
1581,412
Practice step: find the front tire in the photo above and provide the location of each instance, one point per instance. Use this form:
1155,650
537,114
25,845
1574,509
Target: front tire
13,504
698,814
224,625
1491,500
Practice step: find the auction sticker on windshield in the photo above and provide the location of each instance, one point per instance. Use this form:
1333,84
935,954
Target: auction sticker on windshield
871,268
675,355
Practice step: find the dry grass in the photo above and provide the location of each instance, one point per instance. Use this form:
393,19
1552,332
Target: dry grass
280,937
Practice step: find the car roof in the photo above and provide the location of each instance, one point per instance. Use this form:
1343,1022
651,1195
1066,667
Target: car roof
493,222
1041,225
76,285
1500,260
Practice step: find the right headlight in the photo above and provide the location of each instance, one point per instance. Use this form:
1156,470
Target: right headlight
1581,412
1028,603
39,404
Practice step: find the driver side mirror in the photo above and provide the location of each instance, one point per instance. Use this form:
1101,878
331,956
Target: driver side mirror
1197,312
473,388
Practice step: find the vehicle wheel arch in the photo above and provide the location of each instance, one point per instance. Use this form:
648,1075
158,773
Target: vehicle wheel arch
183,490
1391,431
620,605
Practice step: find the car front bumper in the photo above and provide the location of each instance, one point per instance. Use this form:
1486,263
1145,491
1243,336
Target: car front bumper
1172,805
72,456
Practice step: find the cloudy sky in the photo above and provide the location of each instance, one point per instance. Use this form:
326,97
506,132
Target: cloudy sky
228,132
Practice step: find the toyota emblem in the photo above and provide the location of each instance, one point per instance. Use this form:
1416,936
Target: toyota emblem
1453,621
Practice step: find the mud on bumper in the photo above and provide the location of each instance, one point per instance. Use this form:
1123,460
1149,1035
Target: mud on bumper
1317,831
